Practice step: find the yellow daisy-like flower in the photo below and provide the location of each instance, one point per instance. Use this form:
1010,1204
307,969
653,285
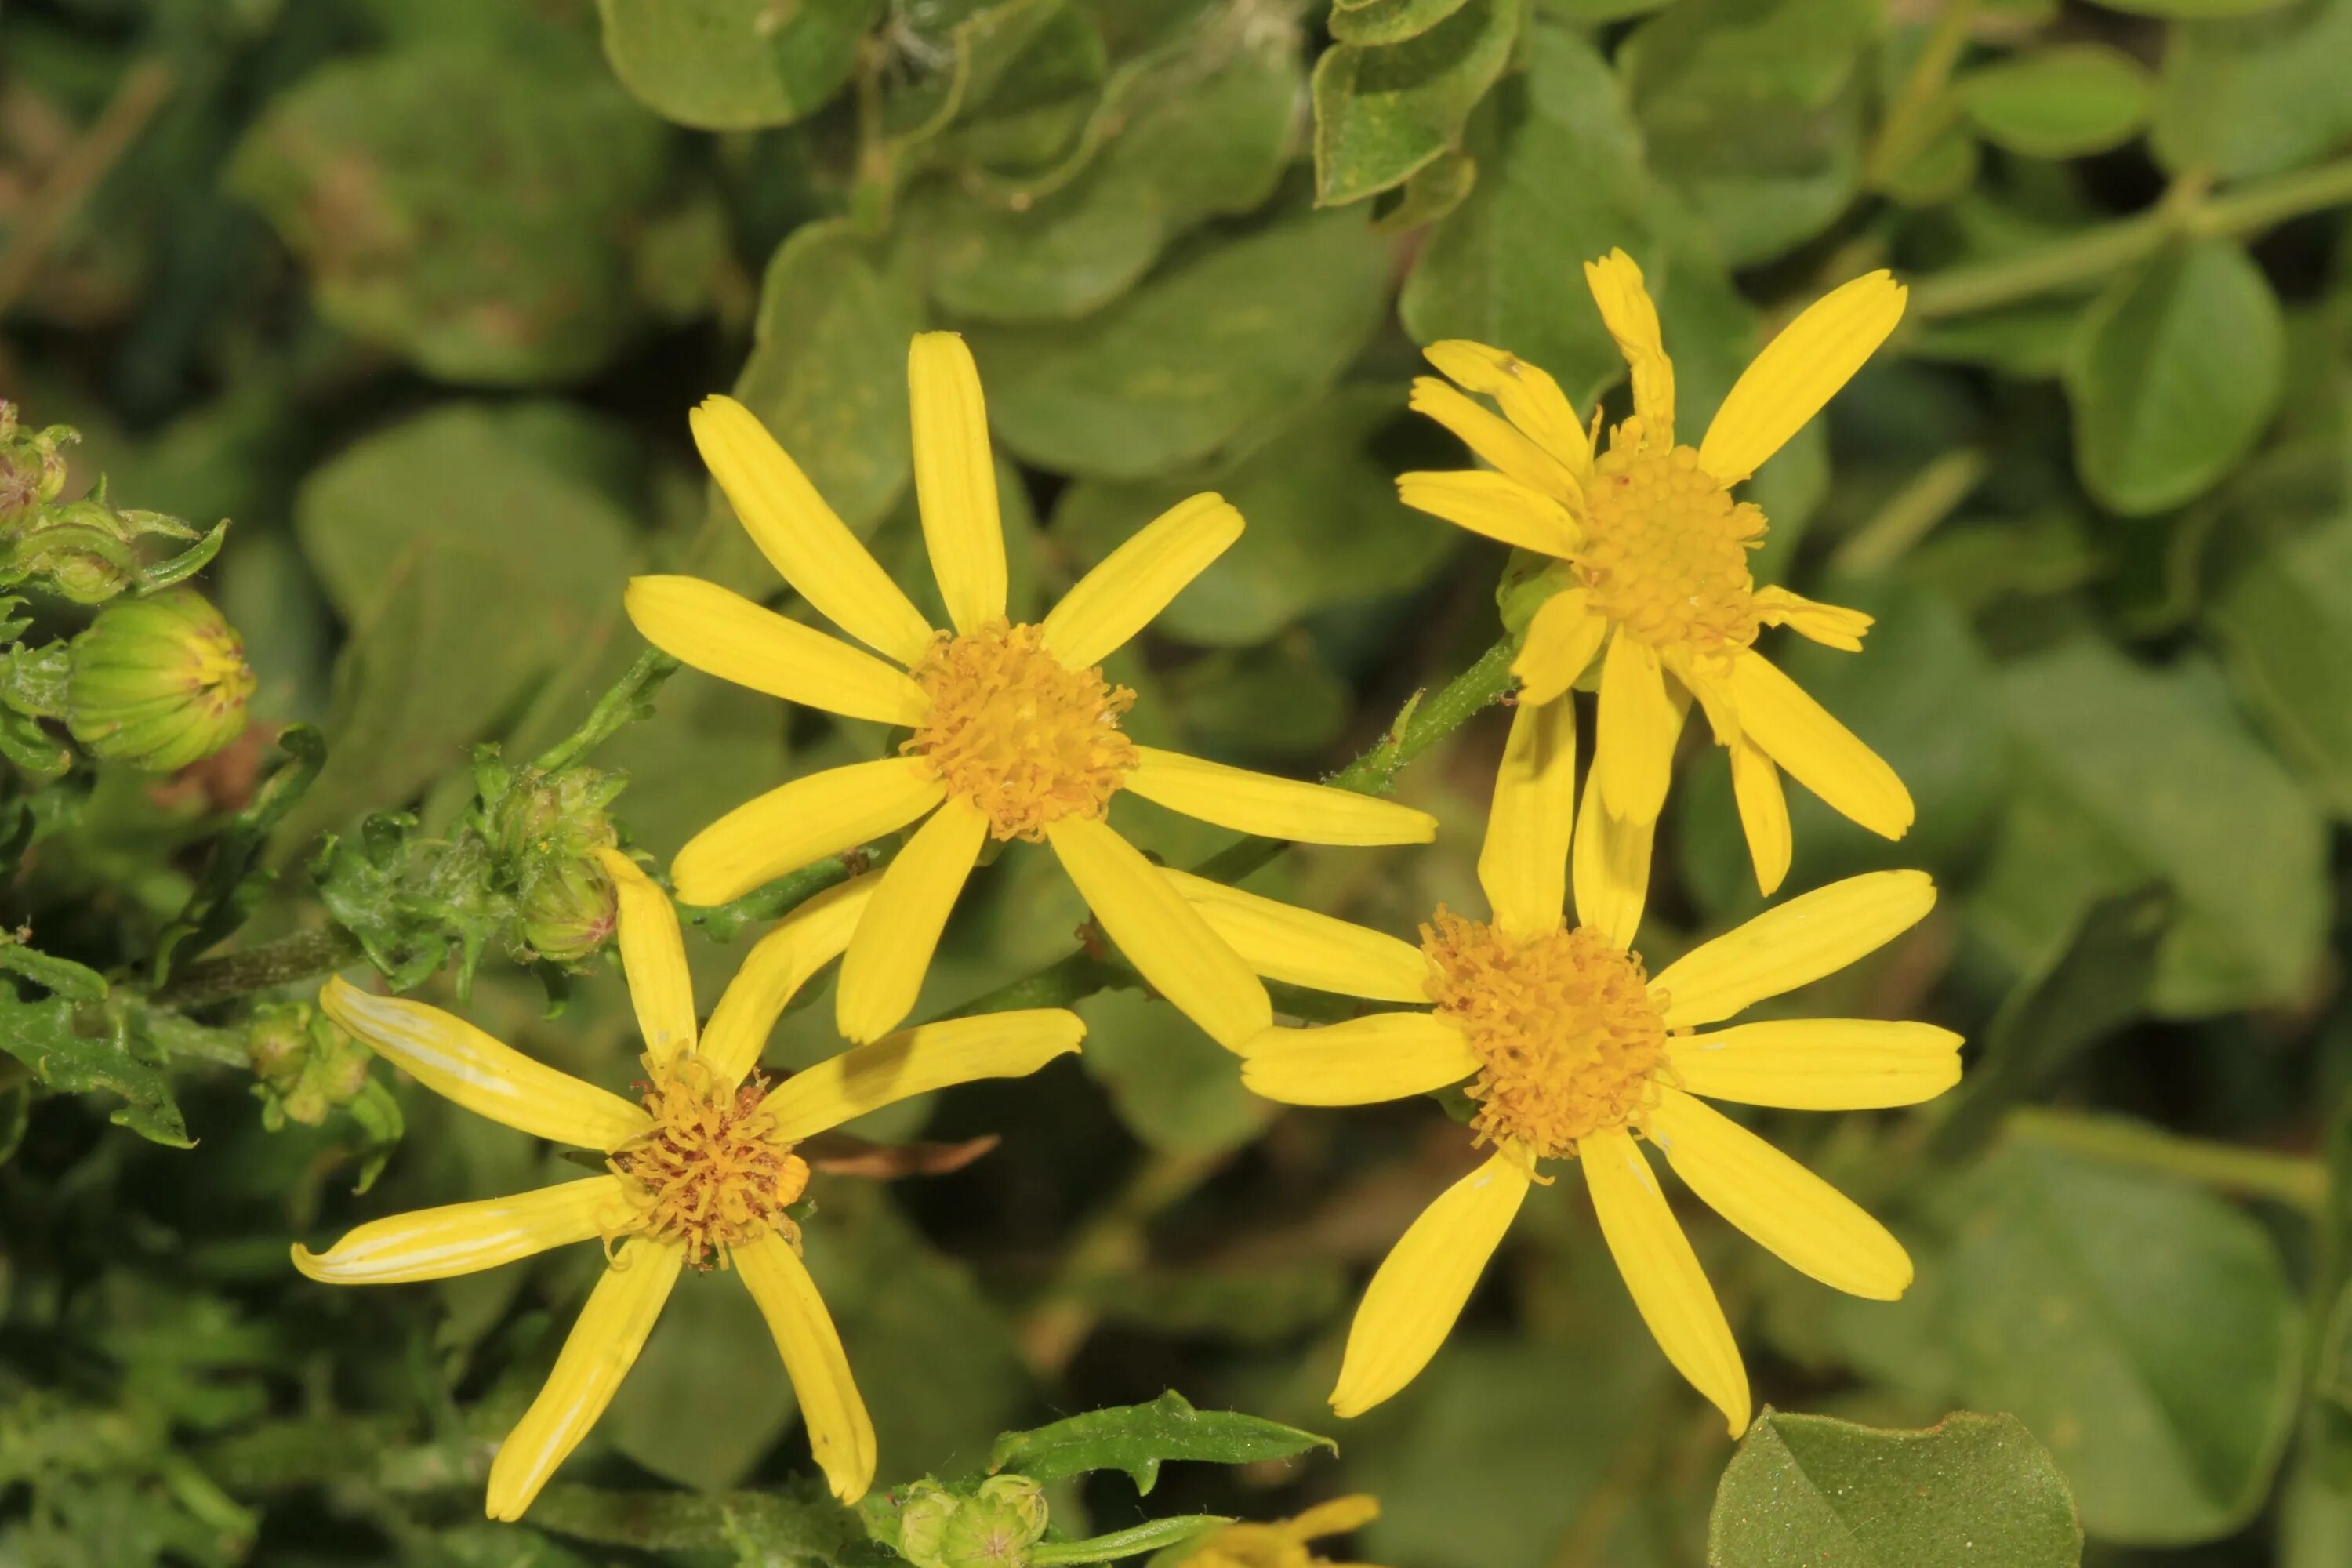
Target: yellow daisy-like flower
703,1171
1282,1544
1571,1050
1015,733
1655,551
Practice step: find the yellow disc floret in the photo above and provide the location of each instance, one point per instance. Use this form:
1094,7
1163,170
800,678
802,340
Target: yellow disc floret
1564,1025
1665,549
1024,738
710,1174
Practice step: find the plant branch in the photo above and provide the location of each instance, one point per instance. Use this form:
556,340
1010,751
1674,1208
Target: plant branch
274,963
2298,1181
630,699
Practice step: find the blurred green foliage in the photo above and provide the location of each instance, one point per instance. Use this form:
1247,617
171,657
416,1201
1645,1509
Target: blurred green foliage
417,293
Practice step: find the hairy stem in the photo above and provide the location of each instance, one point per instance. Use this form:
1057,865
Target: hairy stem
274,963
630,699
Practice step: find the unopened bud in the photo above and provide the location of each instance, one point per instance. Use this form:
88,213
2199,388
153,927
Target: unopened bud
568,908
32,467
560,813
993,1528
307,1064
158,683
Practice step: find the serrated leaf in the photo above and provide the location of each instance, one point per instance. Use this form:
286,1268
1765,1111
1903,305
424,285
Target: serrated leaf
2173,374
2059,102
1383,112
1972,1491
734,65
1138,1438
45,1038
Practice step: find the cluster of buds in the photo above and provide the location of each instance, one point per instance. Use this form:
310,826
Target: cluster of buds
157,683
543,829
307,1066
995,1526
85,550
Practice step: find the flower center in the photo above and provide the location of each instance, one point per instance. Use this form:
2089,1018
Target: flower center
1018,734
711,1173
1665,549
1562,1024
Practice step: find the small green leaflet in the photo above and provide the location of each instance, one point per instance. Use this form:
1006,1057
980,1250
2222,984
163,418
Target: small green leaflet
1136,1438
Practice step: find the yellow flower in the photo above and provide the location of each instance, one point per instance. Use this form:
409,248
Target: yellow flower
1015,732
1282,1544
1656,554
1571,1050
703,1171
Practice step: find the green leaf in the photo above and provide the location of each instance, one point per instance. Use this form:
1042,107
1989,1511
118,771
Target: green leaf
1387,21
2282,624
1384,111
464,206
1151,1535
2124,774
1138,1438
1212,346
232,882
2173,374
60,976
45,1037
1971,1492
827,374
2257,94
2059,102
1325,526
734,65
2141,1327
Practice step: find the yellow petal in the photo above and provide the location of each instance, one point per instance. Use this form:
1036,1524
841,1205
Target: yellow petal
919,1060
727,635
1798,372
1819,1064
955,479
1662,1272
463,1238
1633,752
1633,319
460,1063
1170,945
1807,1224
1763,813
1831,626
1493,504
1421,1287
652,957
804,821
1496,440
1611,869
778,966
1361,1061
1337,1517
1299,947
841,1435
1799,733
1135,582
1561,640
1811,935
1523,864
885,965
603,1346
1527,396
809,546
1250,802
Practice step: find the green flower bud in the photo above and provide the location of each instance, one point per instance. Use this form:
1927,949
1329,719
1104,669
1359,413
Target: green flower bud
307,1064
278,1041
32,468
560,813
158,683
995,1527
568,908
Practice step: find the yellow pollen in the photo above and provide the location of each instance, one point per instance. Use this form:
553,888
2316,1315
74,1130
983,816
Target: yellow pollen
1018,734
711,1173
1665,549
1563,1025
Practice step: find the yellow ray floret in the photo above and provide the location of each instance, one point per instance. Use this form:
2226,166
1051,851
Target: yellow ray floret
1013,732
704,1172
1656,580
1569,1049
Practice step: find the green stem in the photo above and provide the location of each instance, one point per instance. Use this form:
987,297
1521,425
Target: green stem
264,968
630,699
1911,513
773,901
2297,1180
1913,117
1133,1541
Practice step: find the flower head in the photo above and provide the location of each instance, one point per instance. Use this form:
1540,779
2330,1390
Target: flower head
1653,548
1012,730
702,1171
1571,1050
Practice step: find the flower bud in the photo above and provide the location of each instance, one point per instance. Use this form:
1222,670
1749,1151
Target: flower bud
568,908
993,1528
158,683
560,813
32,468
306,1064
